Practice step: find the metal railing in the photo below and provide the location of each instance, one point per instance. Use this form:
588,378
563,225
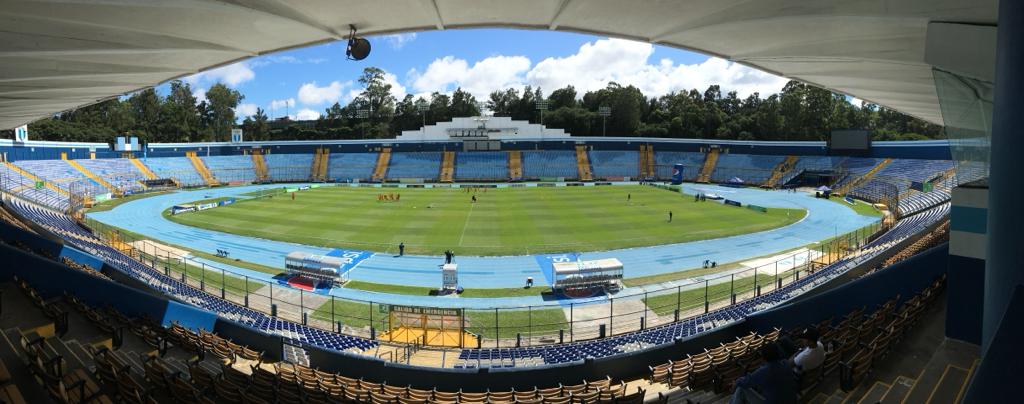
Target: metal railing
565,320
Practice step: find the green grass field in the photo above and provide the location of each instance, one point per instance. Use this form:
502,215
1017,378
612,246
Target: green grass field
503,221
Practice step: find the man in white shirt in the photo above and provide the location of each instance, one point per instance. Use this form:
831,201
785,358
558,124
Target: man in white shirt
813,353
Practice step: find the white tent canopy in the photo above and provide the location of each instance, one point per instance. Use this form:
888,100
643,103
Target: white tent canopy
57,55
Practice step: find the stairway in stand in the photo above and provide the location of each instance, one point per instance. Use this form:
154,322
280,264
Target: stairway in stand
583,164
784,167
315,169
864,178
448,167
647,161
201,169
32,177
320,164
515,165
260,165
97,179
944,380
709,166
150,175
383,160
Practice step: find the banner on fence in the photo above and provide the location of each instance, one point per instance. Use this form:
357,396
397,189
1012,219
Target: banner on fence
849,200
921,186
182,209
731,202
205,206
226,202
102,197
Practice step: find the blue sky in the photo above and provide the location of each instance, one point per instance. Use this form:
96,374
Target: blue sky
304,82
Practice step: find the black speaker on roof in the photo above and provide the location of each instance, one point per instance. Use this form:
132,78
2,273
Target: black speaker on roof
358,48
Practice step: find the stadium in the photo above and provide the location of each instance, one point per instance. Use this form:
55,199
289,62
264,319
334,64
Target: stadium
490,259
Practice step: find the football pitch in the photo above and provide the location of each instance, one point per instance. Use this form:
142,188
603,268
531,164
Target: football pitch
504,221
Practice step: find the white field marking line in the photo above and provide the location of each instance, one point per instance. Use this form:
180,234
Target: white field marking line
466,224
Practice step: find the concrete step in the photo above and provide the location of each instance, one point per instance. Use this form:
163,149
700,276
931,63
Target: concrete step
20,376
82,353
950,385
874,394
900,387
960,355
178,365
71,361
819,398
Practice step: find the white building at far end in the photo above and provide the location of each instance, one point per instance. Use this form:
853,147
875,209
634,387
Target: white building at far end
483,128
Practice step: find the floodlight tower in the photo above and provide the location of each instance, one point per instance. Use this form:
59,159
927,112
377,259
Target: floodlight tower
363,114
542,105
605,112
423,107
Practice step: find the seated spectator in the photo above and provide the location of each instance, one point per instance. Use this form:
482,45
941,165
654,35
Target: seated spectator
813,353
773,382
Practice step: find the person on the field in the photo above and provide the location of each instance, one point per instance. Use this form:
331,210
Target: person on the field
474,198
670,216
398,197
773,382
293,196
629,197
401,249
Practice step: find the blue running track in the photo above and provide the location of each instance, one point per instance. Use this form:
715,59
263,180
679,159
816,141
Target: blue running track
824,220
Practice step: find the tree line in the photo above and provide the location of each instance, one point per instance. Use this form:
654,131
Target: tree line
799,112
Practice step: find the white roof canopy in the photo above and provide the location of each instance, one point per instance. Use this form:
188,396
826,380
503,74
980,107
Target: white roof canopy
57,55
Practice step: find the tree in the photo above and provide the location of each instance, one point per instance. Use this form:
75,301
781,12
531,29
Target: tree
501,103
562,98
220,110
145,108
798,112
463,104
440,109
377,94
179,116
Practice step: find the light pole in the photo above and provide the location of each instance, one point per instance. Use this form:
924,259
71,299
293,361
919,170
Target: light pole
605,112
363,114
542,105
423,107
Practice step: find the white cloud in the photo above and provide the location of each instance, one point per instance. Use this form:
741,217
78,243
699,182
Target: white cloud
306,114
495,72
397,89
626,62
398,41
281,104
244,110
310,94
199,94
592,67
231,75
